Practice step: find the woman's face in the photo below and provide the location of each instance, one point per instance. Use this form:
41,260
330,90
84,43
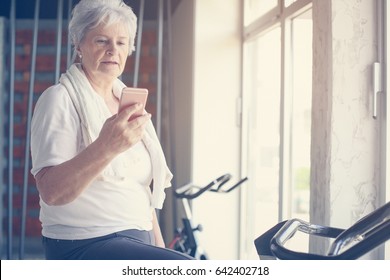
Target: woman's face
104,52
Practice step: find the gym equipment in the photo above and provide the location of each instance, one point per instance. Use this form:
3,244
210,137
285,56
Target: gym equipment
348,244
185,239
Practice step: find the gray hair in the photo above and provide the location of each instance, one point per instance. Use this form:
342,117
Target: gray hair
88,14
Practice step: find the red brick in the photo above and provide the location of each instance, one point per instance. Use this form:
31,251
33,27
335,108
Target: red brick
33,226
148,65
18,176
20,130
151,108
22,63
149,37
129,67
23,36
44,63
20,108
145,50
49,37
45,37
32,201
27,49
19,152
39,86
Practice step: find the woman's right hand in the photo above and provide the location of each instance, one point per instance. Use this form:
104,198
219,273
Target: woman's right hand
63,183
119,134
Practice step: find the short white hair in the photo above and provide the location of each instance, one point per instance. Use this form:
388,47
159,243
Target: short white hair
88,14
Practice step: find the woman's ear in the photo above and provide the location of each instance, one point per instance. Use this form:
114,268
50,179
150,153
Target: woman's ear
78,51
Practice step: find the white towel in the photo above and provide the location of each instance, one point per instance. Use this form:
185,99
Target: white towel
93,113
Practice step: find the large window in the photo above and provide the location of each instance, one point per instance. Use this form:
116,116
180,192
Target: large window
263,83
277,116
301,86
277,99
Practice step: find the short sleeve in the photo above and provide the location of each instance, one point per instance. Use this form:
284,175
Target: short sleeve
55,129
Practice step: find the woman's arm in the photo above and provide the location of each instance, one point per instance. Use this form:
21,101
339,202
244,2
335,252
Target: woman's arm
157,232
61,184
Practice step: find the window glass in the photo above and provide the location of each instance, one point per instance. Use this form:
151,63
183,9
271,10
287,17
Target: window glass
301,33
263,83
279,126
288,2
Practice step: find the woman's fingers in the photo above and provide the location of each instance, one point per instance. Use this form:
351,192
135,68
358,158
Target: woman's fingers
140,121
120,134
126,113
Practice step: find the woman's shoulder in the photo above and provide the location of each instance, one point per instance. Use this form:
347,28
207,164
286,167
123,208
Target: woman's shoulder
56,92
55,99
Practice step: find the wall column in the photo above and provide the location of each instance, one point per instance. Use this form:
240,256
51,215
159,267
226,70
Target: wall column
345,143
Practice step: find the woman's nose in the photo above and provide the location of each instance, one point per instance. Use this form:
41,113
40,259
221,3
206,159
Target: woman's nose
112,49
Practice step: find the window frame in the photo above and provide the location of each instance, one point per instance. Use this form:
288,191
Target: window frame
279,16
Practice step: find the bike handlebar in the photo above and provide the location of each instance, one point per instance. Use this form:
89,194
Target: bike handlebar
216,185
352,243
220,190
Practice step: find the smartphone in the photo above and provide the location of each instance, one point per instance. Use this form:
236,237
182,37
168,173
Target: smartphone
131,96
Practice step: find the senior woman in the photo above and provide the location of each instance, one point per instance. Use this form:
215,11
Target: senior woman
93,167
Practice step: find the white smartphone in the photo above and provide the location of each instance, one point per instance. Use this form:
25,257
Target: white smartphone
131,96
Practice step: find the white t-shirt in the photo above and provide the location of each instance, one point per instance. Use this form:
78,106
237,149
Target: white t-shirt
103,207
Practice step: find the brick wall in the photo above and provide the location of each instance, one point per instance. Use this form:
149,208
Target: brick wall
44,77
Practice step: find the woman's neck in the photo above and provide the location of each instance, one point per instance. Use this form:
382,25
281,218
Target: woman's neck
105,90
103,86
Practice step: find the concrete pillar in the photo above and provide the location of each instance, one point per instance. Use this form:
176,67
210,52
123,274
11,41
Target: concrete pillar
345,137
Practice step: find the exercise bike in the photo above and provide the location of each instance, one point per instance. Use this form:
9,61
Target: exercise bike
185,239
352,243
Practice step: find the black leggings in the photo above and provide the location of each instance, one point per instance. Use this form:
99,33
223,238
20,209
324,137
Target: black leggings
123,245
